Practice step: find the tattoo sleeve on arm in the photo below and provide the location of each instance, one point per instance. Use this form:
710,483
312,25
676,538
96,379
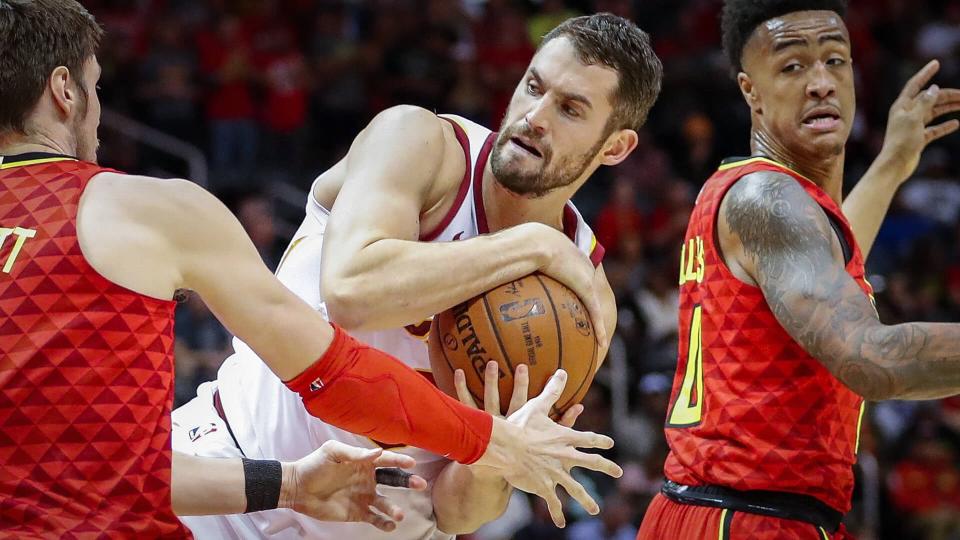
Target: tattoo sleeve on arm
791,251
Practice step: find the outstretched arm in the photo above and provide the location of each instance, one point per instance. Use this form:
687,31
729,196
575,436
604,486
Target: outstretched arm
782,239
908,133
336,482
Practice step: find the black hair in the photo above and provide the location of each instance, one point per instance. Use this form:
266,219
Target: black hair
741,17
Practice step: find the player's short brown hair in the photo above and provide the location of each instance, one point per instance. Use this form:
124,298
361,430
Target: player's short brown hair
36,37
612,41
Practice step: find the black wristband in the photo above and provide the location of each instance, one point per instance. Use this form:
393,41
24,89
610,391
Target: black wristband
262,479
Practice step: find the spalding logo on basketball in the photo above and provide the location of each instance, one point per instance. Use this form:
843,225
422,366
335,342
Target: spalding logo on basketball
535,321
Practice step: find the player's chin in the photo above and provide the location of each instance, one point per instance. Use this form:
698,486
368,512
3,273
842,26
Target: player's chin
819,146
828,145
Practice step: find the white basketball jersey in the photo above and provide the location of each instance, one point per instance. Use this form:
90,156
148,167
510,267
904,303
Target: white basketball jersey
270,422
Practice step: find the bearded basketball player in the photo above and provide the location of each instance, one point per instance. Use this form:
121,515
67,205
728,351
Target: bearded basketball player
428,211
92,259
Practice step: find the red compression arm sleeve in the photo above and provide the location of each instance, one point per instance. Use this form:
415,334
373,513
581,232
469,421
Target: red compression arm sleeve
366,391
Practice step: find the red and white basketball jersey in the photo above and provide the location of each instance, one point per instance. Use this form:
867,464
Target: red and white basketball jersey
269,421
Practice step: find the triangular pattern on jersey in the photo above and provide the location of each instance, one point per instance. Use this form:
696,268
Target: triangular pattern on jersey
772,418
86,377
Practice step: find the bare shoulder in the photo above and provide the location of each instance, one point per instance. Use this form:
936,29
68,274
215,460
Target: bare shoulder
401,137
412,129
404,151
767,211
767,219
131,228
769,208
147,201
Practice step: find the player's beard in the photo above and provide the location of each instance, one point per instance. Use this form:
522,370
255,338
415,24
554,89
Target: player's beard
548,177
86,148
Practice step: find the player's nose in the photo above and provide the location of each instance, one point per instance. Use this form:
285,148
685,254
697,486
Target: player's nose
536,117
821,85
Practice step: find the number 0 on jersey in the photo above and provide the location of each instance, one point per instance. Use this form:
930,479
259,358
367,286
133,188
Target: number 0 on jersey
688,408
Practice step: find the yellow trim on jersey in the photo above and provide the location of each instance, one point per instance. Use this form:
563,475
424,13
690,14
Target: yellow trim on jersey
759,159
723,518
289,249
824,533
593,244
34,162
863,407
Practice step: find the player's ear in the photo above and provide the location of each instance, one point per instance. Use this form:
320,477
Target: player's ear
619,145
64,96
749,92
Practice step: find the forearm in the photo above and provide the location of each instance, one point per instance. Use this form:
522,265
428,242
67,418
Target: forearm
906,361
366,391
214,486
392,283
463,501
878,362
867,204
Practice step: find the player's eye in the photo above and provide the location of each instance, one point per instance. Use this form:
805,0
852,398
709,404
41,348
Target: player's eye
571,111
836,61
532,88
791,67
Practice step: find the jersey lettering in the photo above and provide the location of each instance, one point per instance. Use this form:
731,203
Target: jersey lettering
22,235
691,261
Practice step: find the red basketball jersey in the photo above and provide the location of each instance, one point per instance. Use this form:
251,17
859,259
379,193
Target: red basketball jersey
86,374
750,409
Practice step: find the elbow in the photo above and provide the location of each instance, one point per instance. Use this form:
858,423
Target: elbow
345,304
870,381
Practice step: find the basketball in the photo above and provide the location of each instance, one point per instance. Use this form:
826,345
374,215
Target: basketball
534,321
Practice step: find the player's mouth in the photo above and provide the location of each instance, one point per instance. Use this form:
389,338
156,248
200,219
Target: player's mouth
526,147
822,119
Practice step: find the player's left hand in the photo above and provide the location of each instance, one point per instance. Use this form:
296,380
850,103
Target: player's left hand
338,482
908,124
491,393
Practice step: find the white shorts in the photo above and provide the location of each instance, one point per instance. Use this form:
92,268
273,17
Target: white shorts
198,430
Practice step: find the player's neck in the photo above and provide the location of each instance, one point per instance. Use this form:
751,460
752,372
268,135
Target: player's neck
826,172
14,145
505,208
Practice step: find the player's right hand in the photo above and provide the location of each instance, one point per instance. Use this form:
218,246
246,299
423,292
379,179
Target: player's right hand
535,454
564,262
338,482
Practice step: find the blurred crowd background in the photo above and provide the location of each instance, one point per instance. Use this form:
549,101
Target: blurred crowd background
271,92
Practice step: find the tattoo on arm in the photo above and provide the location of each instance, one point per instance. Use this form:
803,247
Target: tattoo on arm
791,251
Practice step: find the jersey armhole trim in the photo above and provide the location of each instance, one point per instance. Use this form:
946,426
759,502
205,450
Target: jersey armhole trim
464,184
